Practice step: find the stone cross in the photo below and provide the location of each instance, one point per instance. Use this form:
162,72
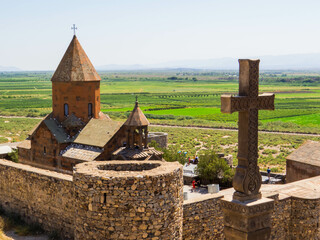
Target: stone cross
247,179
74,28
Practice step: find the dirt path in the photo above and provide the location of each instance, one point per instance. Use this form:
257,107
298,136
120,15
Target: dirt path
235,130
194,127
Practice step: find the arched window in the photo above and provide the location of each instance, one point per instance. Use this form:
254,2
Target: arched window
90,109
66,109
44,150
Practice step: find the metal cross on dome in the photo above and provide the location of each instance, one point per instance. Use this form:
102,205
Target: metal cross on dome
74,28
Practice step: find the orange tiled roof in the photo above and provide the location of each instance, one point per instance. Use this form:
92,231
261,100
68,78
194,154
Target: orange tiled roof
137,118
75,65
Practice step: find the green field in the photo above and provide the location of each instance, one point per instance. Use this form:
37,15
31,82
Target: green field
177,97
273,148
15,129
180,98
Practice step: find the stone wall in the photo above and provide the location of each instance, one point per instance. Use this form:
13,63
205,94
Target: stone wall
138,200
202,218
159,137
77,95
281,218
38,196
304,221
296,171
128,200
292,218
66,164
44,147
24,154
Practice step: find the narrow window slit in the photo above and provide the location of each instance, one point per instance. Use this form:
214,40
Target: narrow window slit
105,198
66,109
89,109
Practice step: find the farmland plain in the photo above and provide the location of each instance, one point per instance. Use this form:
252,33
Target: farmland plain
182,98
177,97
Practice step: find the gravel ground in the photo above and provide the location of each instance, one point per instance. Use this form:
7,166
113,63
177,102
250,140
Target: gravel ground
13,236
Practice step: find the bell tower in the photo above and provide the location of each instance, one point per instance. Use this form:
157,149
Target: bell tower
137,128
75,86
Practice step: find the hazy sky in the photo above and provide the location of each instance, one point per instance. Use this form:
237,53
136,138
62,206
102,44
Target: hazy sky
35,33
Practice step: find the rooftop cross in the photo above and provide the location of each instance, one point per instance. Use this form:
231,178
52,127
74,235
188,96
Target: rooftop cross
247,179
74,28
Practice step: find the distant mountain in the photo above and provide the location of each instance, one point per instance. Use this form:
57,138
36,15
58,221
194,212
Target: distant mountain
293,62
120,67
9,69
282,62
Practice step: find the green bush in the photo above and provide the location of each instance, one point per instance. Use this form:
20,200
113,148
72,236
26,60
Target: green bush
13,156
212,169
171,154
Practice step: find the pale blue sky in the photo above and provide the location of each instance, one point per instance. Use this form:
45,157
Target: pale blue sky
35,33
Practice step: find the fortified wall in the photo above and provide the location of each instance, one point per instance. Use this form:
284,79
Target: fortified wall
38,196
128,200
142,200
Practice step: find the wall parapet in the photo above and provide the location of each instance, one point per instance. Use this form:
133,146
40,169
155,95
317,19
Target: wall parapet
64,203
135,199
38,196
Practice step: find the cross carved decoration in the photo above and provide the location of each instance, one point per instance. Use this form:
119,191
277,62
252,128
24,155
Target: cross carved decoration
247,179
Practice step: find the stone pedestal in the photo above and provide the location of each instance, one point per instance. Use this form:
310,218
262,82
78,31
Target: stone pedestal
250,220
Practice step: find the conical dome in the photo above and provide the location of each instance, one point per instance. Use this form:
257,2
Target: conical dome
75,65
137,118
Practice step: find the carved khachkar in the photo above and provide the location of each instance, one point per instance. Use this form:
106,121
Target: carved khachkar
247,179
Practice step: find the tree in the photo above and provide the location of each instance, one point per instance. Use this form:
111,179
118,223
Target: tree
212,169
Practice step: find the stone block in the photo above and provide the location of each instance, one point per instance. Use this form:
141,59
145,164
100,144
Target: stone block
247,218
233,234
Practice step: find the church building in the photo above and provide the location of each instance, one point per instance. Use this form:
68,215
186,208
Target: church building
76,130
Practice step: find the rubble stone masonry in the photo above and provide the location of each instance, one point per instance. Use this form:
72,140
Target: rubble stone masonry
134,200
304,222
128,200
38,196
203,218
281,218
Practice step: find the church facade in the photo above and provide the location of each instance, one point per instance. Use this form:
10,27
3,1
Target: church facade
76,130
